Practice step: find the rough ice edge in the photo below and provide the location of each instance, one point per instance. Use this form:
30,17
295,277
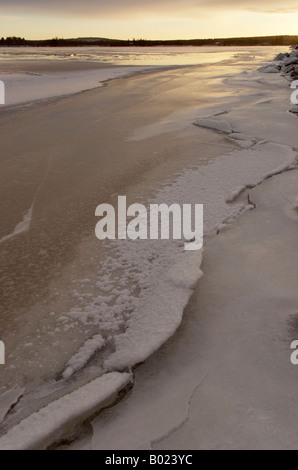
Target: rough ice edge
236,193
21,227
171,297
51,423
163,298
8,399
172,294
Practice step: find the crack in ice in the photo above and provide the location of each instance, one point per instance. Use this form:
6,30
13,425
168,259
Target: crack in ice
184,421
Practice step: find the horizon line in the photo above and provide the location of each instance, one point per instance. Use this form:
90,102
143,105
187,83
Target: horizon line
156,39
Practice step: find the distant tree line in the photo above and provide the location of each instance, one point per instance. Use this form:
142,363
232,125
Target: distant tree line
56,42
13,41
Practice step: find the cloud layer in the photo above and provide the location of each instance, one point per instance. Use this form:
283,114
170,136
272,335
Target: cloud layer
120,8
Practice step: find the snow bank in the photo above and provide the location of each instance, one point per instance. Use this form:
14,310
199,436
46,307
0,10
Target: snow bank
54,421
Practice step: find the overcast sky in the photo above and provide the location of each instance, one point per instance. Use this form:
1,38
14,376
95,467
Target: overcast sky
147,18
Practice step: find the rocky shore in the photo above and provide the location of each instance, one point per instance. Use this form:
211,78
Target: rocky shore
288,66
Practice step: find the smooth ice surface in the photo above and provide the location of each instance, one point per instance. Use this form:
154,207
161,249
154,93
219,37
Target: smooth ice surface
133,56
27,88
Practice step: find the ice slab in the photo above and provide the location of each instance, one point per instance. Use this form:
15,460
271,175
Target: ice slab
54,421
221,126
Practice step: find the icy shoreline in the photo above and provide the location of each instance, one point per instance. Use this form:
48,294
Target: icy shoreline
61,417
245,168
159,313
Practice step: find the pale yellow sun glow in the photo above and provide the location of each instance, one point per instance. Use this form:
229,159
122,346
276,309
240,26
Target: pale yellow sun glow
223,23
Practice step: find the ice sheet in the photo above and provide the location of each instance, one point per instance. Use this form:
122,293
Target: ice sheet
28,88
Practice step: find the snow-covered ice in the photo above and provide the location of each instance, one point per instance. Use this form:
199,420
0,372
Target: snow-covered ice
62,416
233,172
158,311
148,307
226,380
